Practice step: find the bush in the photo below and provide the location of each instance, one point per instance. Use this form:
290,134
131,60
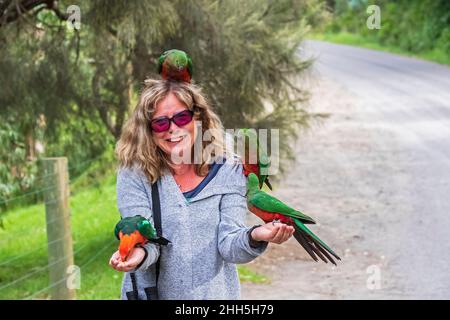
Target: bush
415,26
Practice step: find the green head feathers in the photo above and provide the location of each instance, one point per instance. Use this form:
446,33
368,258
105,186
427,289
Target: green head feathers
145,228
175,65
252,182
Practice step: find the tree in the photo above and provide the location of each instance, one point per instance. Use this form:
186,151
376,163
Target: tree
245,57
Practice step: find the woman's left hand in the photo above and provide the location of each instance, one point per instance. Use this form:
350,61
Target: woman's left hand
136,257
273,232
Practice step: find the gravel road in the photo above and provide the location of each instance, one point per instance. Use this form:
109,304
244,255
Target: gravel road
375,174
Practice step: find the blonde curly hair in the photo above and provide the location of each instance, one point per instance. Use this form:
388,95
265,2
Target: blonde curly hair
136,146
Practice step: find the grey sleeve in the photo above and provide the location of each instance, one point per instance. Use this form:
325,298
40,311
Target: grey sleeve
233,241
132,199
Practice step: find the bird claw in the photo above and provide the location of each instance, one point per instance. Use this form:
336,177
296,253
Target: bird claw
275,221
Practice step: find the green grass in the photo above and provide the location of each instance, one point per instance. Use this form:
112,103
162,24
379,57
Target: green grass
247,275
23,254
24,247
436,55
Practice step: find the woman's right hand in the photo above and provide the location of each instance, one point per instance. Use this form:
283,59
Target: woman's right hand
273,232
136,257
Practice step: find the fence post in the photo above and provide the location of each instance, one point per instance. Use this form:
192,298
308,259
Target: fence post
59,233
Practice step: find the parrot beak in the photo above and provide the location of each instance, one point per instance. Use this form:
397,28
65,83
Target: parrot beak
127,244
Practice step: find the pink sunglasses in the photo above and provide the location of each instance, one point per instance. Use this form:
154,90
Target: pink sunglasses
180,119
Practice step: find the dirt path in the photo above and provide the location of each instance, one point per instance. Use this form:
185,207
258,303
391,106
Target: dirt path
374,175
330,188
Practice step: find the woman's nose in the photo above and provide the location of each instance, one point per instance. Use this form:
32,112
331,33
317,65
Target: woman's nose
173,127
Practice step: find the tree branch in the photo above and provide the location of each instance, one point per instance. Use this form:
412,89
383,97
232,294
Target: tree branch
13,10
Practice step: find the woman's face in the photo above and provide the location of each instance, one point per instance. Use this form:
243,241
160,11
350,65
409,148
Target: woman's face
177,140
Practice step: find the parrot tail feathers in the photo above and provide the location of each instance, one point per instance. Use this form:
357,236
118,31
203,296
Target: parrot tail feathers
318,250
161,241
312,248
326,254
268,184
299,237
313,243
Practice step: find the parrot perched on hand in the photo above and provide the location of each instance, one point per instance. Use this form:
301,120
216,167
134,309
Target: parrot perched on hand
269,208
133,231
262,164
175,65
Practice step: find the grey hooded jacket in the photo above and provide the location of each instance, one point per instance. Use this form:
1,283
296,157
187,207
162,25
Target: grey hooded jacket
207,233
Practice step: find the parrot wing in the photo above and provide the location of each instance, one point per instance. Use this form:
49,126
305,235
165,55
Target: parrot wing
190,66
149,232
263,161
263,158
127,225
146,229
160,63
268,203
119,226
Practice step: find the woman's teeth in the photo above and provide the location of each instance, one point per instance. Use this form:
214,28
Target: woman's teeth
177,139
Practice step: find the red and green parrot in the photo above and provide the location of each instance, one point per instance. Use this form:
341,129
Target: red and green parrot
175,65
269,208
133,231
261,167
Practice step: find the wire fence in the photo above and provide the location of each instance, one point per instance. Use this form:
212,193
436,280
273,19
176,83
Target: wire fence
83,266
8,240
43,178
50,222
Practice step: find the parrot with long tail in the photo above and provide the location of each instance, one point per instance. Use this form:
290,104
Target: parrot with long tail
175,65
269,208
261,167
134,231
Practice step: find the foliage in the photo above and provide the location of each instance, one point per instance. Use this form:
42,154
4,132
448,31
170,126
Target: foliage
82,84
414,26
21,175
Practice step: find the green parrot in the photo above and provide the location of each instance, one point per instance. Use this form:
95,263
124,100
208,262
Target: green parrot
269,208
175,65
133,231
263,162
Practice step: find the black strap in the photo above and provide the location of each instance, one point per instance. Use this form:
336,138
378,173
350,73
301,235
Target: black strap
156,205
156,209
133,295
151,292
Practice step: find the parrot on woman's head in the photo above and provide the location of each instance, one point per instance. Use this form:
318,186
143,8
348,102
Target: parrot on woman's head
257,163
133,231
175,65
269,208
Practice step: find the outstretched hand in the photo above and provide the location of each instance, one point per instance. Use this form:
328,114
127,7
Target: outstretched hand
137,255
273,232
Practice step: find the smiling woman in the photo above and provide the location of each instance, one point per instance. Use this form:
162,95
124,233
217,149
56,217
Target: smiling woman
151,137
203,204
